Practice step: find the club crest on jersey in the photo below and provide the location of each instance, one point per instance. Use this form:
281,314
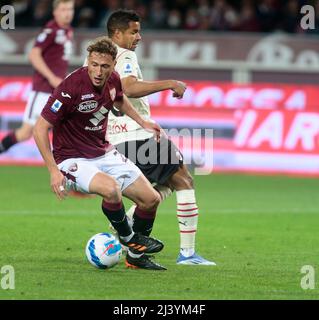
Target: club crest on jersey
87,106
112,94
55,107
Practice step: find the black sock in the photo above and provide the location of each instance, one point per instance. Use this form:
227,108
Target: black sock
8,141
115,212
143,221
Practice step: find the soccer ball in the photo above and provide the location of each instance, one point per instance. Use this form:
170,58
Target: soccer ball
103,250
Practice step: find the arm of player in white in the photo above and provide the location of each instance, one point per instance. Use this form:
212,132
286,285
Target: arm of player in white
135,88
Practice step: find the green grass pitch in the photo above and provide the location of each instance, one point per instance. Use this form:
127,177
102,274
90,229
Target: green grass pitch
259,230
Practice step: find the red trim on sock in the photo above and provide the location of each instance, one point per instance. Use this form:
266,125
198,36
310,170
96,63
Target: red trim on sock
190,231
112,206
187,215
185,204
187,210
145,214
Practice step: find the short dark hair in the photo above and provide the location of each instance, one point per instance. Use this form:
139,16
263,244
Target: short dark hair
120,19
103,45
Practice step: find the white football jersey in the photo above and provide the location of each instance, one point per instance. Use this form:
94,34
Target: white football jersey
122,128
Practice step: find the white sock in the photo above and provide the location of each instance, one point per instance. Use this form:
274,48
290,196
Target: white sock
187,214
130,212
187,252
134,255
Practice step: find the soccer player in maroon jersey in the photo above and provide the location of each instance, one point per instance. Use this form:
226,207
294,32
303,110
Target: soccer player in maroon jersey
83,160
49,58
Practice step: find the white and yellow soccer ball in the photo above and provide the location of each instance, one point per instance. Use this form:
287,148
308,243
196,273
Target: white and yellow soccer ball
103,250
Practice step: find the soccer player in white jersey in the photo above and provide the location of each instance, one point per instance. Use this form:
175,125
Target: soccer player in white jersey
123,28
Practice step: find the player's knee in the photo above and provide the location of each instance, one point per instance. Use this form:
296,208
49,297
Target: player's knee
189,181
150,203
113,193
181,180
110,190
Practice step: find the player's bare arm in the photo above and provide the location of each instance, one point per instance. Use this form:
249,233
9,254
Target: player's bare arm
41,137
135,88
126,107
35,57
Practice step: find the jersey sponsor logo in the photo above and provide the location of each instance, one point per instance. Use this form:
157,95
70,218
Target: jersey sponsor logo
65,95
87,96
99,116
87,106
93,128
117,128
55,107
128,68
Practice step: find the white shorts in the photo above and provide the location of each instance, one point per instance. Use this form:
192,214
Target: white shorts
80,171
36,101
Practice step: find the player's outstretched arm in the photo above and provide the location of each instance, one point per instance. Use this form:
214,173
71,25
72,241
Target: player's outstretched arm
126,107
135,88
41,137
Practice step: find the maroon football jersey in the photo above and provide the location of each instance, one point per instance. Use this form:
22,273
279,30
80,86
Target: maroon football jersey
56,45
79,114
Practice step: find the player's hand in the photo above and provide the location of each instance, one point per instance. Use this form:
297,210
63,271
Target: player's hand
153,127
55,81
58,184
179,89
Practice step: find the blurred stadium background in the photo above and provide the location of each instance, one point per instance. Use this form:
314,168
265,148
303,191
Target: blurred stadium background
252,75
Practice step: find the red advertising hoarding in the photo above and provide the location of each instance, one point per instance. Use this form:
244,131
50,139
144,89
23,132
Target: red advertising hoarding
257,127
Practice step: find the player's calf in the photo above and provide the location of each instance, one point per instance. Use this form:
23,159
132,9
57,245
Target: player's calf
115,213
